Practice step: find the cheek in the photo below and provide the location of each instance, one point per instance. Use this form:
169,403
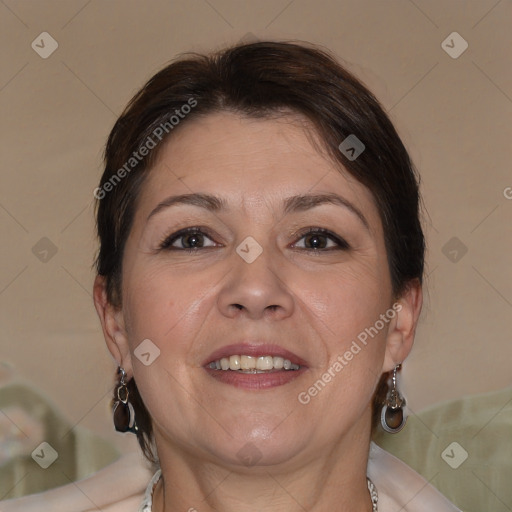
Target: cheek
346,300
168,307
149,303
347,309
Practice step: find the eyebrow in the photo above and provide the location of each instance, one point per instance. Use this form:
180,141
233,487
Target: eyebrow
298,203
206,201
308,201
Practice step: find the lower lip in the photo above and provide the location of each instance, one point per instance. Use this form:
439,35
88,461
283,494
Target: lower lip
255,380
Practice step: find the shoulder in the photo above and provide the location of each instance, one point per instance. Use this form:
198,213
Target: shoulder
130,504
401,488
118,487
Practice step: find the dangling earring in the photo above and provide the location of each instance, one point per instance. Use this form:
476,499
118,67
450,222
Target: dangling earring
124,414
392,416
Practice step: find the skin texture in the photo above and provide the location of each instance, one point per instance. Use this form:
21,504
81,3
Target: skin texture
314,304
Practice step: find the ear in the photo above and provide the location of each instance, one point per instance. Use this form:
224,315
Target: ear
112,323
402,328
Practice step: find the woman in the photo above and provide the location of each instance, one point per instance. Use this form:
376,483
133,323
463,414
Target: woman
259,285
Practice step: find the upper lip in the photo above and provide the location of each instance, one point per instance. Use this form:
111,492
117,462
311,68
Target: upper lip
255,349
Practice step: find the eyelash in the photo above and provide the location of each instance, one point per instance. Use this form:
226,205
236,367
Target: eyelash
167,242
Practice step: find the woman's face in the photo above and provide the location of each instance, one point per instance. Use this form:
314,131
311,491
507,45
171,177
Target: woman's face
248,273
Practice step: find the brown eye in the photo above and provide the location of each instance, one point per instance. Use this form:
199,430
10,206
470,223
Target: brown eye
318,239
192,240
187,239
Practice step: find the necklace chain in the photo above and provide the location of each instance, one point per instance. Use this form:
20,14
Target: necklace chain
371,489
373,494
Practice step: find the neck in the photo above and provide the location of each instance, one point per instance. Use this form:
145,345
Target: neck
335,480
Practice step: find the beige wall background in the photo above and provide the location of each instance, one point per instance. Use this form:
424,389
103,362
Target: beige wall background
453,113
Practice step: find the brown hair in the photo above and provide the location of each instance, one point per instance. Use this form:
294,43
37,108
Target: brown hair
259,80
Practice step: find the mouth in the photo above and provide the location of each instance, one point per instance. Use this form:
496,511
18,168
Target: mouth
254,366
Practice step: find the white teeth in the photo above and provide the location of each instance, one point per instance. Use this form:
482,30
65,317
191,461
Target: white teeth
278,362
251,364
247,362
234,363
265,363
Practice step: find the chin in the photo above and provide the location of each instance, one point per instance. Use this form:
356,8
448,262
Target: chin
262,446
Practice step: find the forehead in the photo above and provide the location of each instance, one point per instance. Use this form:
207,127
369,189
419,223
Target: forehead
249,161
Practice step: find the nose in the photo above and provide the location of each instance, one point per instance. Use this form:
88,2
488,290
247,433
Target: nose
256,290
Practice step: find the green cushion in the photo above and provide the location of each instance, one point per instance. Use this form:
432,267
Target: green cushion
463,447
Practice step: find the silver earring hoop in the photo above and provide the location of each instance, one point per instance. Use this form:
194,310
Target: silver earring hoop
123,412
392,417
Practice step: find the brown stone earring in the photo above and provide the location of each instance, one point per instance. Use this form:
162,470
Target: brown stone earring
392,416
124,414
